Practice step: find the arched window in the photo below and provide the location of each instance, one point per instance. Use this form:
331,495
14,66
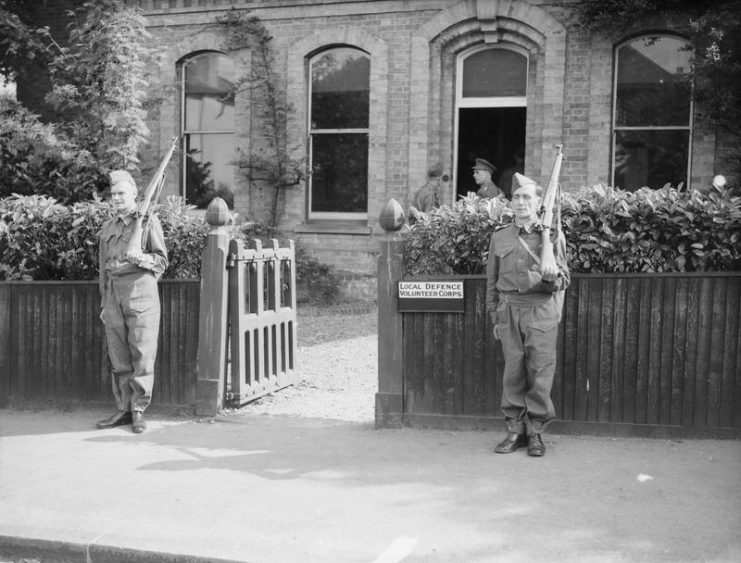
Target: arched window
652,117
207,122
338,134
491,110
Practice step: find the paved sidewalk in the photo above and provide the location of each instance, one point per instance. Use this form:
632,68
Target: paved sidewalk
286,489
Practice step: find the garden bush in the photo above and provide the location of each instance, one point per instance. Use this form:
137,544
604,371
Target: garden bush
41,239
607,230
36,159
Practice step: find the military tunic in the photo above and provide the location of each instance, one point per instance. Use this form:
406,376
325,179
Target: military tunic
489,190
131,308
527,310
427,198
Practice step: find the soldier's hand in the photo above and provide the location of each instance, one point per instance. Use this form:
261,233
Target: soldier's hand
548,266
134,256
497,336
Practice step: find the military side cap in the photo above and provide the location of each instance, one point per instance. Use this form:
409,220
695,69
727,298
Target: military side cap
436,170
482,164
121,177
521,181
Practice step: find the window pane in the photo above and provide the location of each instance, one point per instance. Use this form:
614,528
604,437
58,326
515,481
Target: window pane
494,72
208,169
209,94
650,158
340,86
652,85
340,179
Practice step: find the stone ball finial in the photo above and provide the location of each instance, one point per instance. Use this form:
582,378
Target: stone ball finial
392,216
217,214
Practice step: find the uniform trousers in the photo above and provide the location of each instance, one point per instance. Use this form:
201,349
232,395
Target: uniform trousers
131,315
528,330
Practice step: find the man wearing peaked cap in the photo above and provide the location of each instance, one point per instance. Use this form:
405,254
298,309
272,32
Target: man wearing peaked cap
482,171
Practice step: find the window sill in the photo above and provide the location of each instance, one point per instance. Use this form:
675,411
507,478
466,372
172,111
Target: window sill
334,228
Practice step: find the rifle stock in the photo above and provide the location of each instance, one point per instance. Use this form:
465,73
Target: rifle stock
548,264
149,199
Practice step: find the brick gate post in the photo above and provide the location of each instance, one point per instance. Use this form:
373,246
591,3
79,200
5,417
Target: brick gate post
213,313
389,398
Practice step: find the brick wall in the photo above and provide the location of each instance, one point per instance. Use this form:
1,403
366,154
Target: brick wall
413,45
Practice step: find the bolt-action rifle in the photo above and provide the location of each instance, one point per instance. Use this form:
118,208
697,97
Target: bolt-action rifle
148,201
550,202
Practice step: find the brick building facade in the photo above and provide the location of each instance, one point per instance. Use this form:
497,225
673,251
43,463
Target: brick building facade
417,74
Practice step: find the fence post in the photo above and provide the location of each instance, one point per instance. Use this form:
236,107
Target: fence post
5,351
389,399
213,313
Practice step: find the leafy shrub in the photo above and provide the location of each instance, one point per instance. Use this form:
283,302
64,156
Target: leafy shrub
453,239
666,230
607,230
321,280
36,160
40,239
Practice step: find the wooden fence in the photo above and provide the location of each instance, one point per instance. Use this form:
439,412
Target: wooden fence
52,346
638,354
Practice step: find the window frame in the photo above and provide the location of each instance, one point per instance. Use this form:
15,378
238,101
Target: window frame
185,133
311,131
483,101
618,128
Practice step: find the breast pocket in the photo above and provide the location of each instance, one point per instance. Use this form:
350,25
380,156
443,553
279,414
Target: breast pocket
506,255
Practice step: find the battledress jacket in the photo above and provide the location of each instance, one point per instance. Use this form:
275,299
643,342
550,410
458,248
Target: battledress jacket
114,239
513,266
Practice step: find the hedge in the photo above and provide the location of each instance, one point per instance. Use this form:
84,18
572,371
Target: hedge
40,239
607,230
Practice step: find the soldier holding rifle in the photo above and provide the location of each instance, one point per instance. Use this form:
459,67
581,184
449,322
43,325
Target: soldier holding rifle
526,276
133,256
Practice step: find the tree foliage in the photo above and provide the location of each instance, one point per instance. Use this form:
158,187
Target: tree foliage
713,28
36,159
21,43
99,84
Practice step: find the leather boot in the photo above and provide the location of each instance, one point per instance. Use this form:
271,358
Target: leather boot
535,446
138,424
511,443
118,419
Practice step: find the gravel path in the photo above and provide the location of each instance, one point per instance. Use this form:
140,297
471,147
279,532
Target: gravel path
337,362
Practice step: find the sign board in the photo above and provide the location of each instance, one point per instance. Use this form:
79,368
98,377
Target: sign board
432,296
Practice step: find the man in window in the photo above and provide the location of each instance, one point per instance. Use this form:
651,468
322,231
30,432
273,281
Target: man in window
525,301
482,171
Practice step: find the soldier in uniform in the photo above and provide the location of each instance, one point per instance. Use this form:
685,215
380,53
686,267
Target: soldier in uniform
525,305
482,172
130,303
429,196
